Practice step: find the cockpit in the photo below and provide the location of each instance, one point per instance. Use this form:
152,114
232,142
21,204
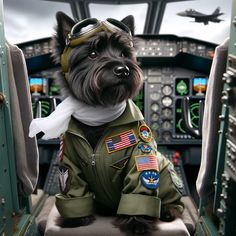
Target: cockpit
189,72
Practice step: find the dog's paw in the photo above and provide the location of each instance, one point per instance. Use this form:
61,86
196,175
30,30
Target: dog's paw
74,222
169,214
135,224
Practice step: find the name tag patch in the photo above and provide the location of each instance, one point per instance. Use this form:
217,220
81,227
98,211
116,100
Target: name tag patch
120,141
146,162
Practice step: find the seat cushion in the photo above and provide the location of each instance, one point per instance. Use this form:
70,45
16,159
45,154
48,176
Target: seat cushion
103,226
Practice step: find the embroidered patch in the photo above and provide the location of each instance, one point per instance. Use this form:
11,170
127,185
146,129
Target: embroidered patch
62,147
145,148
120,141
175,178
120,164
145,133
146,162
63,173
150,179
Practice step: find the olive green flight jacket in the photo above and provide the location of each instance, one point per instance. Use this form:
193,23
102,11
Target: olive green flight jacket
112,179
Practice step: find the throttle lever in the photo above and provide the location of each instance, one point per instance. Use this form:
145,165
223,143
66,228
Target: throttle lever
185,105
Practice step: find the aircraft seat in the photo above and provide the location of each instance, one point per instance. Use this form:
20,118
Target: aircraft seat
211,123
26,150
103,224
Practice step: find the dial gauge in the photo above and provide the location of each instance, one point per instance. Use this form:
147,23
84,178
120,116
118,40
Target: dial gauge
167,90
166,136
154,117
155,107
155,96
167,101
166,125
167,113
155,126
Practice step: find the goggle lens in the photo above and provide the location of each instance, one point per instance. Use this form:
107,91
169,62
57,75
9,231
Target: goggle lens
89,25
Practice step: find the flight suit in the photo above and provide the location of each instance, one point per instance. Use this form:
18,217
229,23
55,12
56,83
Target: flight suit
124,173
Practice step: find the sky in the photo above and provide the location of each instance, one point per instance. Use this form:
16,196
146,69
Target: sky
27,20
184,26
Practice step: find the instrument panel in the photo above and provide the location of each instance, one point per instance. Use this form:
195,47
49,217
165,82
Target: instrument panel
173,67
171,46
165,87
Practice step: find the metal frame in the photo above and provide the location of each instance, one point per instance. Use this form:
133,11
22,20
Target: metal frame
156,9
15,211
8,181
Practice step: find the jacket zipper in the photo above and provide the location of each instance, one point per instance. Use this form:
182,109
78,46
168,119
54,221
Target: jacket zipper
93,161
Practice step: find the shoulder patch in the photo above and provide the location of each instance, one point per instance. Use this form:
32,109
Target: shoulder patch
175,178
145,148
146,162
145,133
150,179
63,174
120,141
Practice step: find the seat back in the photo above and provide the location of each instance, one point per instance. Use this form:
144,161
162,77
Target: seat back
26,151
211,123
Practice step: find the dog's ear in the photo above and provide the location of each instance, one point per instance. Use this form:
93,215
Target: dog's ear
64,25
129,21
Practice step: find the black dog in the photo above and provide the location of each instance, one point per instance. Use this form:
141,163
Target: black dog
99,68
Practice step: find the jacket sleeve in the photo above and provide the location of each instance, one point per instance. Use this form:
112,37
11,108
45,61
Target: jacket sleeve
139,197
75,199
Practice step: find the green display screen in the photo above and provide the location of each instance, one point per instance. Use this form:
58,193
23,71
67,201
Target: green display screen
182,86
139,100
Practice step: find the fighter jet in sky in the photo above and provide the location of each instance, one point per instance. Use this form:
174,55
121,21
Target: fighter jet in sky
202,18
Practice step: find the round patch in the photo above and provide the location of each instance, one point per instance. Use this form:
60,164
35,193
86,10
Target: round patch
145,148
145,133
150,179
175,178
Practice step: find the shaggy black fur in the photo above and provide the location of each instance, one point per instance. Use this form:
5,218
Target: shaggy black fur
94,76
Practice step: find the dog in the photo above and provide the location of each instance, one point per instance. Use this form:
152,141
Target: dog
109,164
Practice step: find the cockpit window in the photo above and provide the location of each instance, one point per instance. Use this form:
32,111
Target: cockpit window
103,11
206,20
188,19
27,20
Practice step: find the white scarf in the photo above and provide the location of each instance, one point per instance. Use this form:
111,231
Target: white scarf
57,122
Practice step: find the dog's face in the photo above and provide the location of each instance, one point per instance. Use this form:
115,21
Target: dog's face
102,69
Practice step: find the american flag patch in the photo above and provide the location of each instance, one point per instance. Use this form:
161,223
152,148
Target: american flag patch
146,162
121,141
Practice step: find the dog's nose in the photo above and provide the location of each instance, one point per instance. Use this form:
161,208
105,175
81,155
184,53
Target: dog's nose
121,71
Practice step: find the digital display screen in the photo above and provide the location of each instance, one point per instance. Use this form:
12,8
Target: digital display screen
199,86
37,86
139,100
182,86
194,113
54,89
43,107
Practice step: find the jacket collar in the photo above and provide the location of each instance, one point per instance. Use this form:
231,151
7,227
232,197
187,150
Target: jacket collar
131,114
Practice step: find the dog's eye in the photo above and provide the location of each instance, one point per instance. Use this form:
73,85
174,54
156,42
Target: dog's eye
93,54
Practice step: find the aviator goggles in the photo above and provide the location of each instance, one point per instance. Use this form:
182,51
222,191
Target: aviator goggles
84,30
